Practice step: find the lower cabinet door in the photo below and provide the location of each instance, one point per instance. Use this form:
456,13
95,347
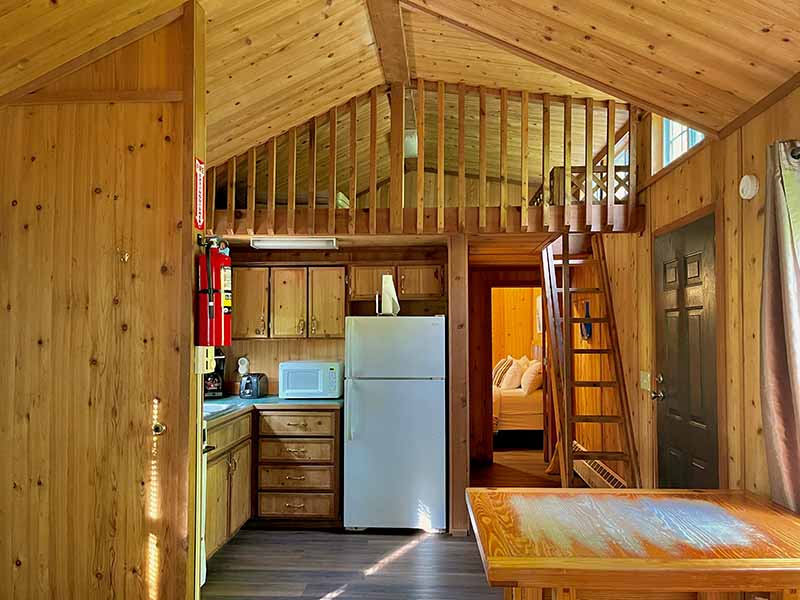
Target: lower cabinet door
241,496
217,504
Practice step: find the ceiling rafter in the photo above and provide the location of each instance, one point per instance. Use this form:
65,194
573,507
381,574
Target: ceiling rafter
387,27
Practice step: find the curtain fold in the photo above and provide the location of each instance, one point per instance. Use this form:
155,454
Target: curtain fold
780,323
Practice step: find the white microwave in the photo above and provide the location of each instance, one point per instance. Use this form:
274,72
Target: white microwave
310,379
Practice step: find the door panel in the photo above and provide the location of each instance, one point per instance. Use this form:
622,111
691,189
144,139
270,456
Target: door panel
686,356
289,302
326,302
241,490
250,294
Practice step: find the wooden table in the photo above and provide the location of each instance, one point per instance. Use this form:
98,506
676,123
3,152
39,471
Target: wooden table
611,544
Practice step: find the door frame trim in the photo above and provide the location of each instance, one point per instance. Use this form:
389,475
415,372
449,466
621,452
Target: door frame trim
720,287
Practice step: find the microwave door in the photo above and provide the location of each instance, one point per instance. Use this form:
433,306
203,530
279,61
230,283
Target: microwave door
302,382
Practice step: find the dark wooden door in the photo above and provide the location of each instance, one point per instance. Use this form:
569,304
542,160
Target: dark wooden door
686,356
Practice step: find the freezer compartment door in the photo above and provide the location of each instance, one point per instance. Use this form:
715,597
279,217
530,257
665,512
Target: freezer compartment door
394,454
395,347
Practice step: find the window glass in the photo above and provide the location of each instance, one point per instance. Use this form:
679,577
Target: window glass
678,138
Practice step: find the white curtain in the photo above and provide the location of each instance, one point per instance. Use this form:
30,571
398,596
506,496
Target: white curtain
780,323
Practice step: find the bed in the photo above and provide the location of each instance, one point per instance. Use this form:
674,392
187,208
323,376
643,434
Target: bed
515,409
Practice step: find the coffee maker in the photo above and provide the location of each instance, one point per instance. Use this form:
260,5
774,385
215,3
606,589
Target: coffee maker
213,382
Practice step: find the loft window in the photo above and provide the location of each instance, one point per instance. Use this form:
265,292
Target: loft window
678,138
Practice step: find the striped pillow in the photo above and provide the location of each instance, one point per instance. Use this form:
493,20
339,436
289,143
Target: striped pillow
500,370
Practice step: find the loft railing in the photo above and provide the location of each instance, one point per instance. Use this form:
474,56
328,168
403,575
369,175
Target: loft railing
434,158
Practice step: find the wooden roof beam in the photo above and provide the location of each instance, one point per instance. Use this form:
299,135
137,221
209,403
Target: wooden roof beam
484,31
387,28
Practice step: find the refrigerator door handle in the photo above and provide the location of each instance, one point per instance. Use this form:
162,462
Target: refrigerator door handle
350,422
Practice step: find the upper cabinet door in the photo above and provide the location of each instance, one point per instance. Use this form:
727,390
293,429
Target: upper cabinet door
250,294
365,281
420,281
289,302
326,305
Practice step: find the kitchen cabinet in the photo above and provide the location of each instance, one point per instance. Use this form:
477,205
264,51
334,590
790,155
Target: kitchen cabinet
228,479
299,474
217,504
420,281
326,302
365,281
289,302
250,298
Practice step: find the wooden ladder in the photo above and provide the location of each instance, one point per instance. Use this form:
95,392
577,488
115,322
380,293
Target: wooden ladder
562,358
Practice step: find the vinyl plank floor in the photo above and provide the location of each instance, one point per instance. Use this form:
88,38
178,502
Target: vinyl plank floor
277,565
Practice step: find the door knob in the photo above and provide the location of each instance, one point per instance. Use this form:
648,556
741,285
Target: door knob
659,395
159,428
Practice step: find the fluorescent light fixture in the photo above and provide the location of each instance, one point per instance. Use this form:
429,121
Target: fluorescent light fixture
293,243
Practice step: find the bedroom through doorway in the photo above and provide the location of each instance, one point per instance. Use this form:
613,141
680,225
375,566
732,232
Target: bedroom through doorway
517,391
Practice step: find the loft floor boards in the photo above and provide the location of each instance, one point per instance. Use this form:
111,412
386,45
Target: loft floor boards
347,566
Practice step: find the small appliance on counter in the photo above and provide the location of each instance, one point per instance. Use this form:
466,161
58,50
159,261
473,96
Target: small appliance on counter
253,385
213,382
310,379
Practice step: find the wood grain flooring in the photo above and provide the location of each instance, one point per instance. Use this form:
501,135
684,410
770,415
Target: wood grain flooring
514,468
347,566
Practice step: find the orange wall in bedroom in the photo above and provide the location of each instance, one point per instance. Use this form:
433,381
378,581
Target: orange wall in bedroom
514,322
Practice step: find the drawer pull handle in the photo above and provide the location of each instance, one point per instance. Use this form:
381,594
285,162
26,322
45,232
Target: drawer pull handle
291,424
297,506
295,477
296,450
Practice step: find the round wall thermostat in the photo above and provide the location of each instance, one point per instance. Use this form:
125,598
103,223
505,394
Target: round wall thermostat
748,187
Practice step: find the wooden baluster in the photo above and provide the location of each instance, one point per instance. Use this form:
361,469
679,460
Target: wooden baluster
588,182
251,191
523,165
230,207
611,128
270,153
291,176
482,160
462,169
567,180
503,159
546,192
312,176
420,155
332,170
351,226
440,162
373,160
633,158
396,156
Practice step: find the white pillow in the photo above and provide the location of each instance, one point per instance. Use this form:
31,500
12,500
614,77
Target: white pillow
512,377
532,377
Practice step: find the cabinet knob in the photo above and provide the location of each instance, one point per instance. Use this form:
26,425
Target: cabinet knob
313,325
301,326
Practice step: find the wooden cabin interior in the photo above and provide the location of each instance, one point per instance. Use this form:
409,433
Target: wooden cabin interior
585,213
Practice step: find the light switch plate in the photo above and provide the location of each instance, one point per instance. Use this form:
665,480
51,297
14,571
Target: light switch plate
644,380
204,360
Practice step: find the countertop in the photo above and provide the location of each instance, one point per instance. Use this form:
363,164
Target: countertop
635,539
230,405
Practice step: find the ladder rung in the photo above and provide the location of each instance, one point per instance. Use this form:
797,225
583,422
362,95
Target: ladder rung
597,384
596,419
576,256
590,319
589,455
576,262
580,290
591,351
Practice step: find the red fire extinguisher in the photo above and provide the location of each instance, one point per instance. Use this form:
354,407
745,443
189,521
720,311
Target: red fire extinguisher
214,298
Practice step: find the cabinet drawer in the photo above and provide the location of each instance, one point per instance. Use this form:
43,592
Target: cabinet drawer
271,504
298,423
297,450
229,434
275,477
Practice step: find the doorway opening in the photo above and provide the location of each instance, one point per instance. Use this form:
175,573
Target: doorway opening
509,381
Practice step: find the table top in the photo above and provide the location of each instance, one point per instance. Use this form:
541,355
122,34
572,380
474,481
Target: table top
635,539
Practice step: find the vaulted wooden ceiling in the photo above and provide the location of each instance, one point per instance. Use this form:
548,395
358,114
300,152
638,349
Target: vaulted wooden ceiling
275,63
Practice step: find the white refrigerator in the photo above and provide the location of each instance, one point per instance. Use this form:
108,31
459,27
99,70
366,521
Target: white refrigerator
394,412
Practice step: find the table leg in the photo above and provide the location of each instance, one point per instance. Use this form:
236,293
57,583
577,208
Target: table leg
522,594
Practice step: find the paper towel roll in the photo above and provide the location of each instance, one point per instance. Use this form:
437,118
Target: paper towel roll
389,303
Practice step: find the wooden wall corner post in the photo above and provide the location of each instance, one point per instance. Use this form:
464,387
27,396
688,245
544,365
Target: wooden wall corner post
420,106
396,156
194,142
458,378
